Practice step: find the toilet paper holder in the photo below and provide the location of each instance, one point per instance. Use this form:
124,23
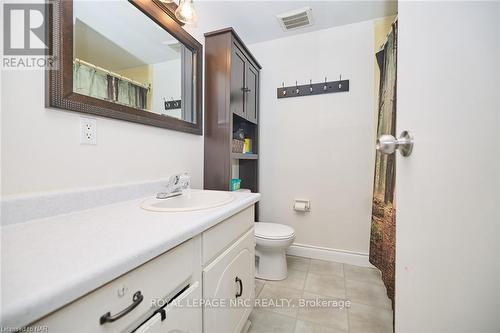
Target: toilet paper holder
302,205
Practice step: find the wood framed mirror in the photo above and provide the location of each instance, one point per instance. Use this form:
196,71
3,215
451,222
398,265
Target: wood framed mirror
128,60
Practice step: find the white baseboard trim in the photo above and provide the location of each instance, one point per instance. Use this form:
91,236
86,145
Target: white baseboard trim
324,253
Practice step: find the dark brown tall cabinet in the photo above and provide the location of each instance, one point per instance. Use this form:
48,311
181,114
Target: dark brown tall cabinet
231,103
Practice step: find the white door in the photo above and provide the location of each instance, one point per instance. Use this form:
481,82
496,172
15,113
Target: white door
448,190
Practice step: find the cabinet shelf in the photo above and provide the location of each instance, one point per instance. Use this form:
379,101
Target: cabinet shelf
240,156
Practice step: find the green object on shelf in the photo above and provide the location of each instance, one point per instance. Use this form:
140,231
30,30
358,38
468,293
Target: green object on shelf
235,184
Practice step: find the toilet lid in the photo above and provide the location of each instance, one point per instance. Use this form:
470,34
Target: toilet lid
273,230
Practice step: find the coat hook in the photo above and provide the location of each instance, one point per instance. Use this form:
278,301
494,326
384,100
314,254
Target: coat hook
284,90
310,86
325,86
297,91
340,81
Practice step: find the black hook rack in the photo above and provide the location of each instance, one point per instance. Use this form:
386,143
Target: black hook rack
326,87
172,104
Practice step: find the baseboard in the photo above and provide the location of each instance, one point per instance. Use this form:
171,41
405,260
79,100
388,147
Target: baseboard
324,253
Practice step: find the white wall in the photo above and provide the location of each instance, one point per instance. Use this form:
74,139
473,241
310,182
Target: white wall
41,149
448,190
319,147
167,84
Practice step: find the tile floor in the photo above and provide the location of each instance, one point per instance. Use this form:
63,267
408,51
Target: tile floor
369,309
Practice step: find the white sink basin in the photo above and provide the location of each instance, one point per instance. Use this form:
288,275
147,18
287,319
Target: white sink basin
189,201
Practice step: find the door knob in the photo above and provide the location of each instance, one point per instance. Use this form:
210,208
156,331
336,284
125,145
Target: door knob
387,144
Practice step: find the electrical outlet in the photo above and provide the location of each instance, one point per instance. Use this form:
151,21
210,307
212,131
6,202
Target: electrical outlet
88,131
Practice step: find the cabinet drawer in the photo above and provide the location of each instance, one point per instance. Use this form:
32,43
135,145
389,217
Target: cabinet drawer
231,278
157,279
219,237
179,316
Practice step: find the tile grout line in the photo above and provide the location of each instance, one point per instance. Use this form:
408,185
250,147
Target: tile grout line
345,291
303,289
307,274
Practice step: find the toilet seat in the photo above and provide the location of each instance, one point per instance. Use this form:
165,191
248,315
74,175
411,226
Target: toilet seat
272,231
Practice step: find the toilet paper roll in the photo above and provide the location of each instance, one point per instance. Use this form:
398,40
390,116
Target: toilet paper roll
301,206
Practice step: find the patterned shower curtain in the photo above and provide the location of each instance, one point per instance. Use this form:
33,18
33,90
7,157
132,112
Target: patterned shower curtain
383,229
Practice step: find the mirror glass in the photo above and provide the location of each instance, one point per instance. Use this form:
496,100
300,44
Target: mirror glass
120,55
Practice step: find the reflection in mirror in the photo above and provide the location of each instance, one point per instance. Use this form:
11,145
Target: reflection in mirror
122,56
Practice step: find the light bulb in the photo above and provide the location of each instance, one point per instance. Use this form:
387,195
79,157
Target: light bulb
186,12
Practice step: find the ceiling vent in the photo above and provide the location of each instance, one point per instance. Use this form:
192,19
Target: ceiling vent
173,44
296,19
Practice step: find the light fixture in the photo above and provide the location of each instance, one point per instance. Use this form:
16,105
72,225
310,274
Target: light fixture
186,12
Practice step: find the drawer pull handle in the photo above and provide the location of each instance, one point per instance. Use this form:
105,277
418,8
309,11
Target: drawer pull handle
108,318
240,283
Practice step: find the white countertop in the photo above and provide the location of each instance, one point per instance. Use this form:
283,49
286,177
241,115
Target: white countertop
49,262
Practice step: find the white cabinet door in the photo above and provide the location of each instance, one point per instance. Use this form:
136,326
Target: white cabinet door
229,281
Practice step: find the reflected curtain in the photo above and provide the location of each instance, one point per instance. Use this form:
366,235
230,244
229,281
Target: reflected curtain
94,83
383,227
87,81
127,93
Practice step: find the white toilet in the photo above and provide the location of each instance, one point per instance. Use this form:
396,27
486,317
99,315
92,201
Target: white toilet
272,240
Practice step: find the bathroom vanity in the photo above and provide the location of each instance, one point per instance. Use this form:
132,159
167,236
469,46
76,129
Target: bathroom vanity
120,268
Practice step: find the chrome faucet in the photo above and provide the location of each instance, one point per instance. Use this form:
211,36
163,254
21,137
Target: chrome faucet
175,185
